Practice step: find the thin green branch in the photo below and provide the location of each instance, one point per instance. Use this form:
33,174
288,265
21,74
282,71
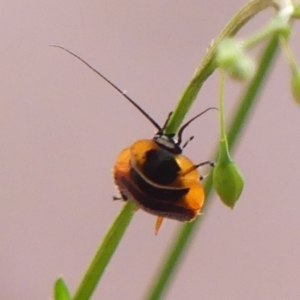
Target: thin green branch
207,66
104,253
183,238
115,233
221,105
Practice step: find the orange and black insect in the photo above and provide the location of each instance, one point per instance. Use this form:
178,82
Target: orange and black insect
155,175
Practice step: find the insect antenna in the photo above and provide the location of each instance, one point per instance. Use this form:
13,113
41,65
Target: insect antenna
114,86
184,126
187,141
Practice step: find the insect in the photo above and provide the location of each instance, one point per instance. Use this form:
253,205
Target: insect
154,174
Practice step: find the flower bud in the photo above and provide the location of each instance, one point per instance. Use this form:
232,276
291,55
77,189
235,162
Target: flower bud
227,52
295,85
296,13
61,291
243,69
227,178
231,57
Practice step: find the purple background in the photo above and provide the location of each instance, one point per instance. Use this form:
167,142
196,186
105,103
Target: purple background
61,128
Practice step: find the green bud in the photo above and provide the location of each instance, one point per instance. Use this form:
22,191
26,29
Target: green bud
228,50
61,291
295,85
285,31
281,26
243,69
296,13
227,179
231,57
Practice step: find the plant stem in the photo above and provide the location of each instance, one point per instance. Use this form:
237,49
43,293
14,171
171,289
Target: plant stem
289,55
118,228
207,66
104,253
221,105
182,239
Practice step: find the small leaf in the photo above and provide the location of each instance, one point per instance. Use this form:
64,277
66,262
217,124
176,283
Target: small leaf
61,291
227,178
295,85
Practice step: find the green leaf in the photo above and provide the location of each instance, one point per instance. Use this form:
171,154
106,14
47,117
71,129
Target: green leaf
61,291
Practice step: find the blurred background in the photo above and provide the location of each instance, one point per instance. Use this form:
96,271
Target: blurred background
62,128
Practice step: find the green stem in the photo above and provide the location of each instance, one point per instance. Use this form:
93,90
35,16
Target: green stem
289,55
207,66
182,239
115,233
277,25
104,253
221,105
224,156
